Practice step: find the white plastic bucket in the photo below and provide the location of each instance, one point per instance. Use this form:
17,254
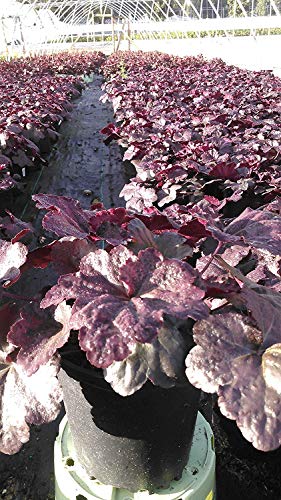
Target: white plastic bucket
196,483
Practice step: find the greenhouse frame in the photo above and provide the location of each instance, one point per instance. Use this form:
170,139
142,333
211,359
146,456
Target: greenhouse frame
38,25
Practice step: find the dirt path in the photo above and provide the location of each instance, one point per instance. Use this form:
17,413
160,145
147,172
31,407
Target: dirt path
80,161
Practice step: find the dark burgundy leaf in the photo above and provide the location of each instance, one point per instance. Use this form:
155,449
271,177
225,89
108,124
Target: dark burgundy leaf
225,171
67,253
13,228
65,217
39,258
107,225
39,334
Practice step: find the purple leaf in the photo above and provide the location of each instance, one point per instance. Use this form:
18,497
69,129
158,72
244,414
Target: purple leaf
137,197
160,361
143,236
173,245
5,161
21,159
215,270
67,253
257,409
271,363
107,225
131,152
9,314
39,334
265,307
267,270
169,243
275,206
14,228
221,339
225,171
230,359
6,181
259,229
65,217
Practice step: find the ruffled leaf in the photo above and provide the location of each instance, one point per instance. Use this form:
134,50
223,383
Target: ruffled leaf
67,253
12,257
232,360
253,400
13,228
107,225
161,362
169,243
260,229
265,306
65,216
121,299
9,314
39,334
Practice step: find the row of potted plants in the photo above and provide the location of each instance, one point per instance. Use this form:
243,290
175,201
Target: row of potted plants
35,95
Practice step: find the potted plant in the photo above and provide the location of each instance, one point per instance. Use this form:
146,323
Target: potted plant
131,296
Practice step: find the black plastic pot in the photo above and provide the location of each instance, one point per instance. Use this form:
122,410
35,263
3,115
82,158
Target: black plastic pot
139,442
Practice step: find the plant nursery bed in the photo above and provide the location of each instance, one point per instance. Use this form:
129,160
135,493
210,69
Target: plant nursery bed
36,94
204,267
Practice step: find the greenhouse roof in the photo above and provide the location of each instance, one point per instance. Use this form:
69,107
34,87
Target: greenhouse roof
33,23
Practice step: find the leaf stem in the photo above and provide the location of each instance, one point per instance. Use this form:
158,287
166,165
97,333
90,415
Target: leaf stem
212,258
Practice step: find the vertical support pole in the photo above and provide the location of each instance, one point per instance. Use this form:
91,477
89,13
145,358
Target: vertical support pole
252,15
5,39
121,35
22,38
129,35
113,31
234,14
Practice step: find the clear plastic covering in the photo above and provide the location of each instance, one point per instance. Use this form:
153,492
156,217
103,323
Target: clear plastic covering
31,25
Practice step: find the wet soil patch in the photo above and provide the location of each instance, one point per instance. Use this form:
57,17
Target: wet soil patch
80,161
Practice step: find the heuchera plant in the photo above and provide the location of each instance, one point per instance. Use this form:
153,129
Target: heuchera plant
35,98
193,127
132,293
